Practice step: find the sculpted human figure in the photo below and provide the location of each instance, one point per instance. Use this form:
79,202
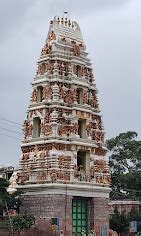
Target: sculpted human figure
27,128
76,50
52,36
34,95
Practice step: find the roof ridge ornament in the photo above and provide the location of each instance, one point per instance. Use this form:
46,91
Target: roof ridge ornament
65,22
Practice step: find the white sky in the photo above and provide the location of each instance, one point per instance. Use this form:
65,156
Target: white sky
112,32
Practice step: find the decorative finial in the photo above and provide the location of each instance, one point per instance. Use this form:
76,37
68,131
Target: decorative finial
66,21
62,20
58,20
69,23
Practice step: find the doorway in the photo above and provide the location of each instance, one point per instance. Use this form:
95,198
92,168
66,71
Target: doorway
79,216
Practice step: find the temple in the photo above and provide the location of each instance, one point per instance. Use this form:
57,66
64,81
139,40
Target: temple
64,173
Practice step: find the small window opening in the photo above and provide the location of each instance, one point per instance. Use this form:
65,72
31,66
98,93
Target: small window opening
81,160
36,127
82,128
39,94
80,96
78,71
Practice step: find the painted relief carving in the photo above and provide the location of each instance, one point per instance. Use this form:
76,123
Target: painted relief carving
100,151
23,177
76,50
63,68
67,94
42,176
64,116
34,95
59,175
93,99
95,124
42,155
47,92
48,115
99,165
27,127
42,68
98,136
69,98
99,123
80,174
83,115
53,175
66,69
74,128
46,49
64,130
46,129
61,91
51,67
85,97
60,68
89,128
104,179
25,156
64,162
36,112
52,36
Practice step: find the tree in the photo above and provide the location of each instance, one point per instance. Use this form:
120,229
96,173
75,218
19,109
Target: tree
125,165
23,222
135,216
14,202
119,222
10,201
3,194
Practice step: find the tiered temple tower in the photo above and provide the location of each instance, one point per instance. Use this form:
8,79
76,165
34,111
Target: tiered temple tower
63,167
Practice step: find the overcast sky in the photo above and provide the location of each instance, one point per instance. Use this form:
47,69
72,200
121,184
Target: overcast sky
112,33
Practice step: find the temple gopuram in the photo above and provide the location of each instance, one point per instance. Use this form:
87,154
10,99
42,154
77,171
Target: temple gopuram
63,168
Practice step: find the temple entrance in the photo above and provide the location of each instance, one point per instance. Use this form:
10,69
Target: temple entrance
79,216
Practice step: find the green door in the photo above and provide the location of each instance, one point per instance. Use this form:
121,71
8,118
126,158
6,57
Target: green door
79,217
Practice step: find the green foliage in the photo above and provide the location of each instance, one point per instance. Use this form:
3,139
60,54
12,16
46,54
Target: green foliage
124,147
12,200
125,166
3,185
23,222
135,215
119,222
3,194
4,222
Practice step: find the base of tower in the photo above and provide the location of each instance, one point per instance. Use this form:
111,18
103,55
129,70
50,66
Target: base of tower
65,214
